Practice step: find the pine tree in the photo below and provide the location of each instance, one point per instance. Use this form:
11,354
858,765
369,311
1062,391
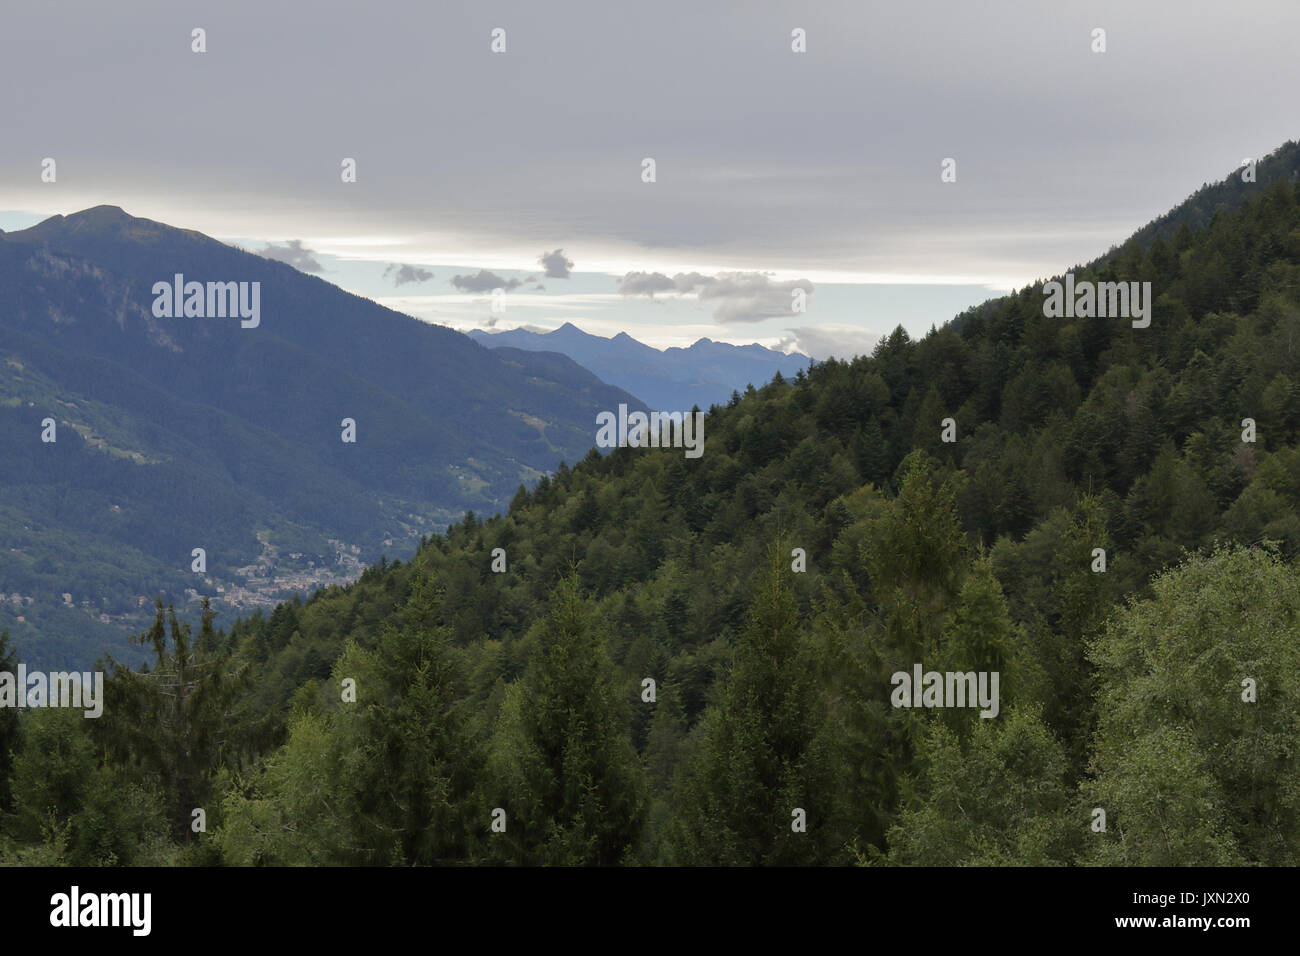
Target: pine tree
9,727
762,752
176,719
916,555
421,763
389,778
81,811
567,775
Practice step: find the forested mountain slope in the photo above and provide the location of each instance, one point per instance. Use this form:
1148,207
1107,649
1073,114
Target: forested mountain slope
1195,212
1103,534
182,432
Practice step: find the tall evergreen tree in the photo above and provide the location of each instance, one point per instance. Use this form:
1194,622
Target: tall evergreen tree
568,779
176,719
762,763
9,726
389,777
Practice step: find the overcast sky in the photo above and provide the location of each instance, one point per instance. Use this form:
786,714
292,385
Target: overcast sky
773,168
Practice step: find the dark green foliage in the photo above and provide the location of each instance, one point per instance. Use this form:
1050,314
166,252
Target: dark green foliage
566,773
390,776
763,754
175,721
9,740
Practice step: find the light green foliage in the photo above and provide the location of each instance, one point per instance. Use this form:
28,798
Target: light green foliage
1187,771
389,778
998,798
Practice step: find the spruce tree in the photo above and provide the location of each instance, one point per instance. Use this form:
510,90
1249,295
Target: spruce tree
176,719
388,778
761,753
9,727
567,776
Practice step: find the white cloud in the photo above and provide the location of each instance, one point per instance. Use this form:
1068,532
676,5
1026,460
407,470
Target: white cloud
829,341
293,253
737,296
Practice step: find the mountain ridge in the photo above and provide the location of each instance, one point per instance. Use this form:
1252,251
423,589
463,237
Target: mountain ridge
224,430
676,378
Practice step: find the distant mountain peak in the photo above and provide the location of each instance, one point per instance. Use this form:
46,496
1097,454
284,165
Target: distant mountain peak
568,332
154,430
112,223
96,217
102,213
673,378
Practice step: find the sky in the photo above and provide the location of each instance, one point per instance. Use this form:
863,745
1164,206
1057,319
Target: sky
774,170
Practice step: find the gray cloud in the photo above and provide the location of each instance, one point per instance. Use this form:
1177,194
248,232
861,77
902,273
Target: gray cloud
295,254
783,160
645,283
745,296
483,282
402,274
556,264
739,296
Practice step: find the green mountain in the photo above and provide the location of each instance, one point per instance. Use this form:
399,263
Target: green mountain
655,659
179,433
1226,195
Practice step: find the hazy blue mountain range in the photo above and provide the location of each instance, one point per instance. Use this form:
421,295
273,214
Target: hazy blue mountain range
672,379
182,433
